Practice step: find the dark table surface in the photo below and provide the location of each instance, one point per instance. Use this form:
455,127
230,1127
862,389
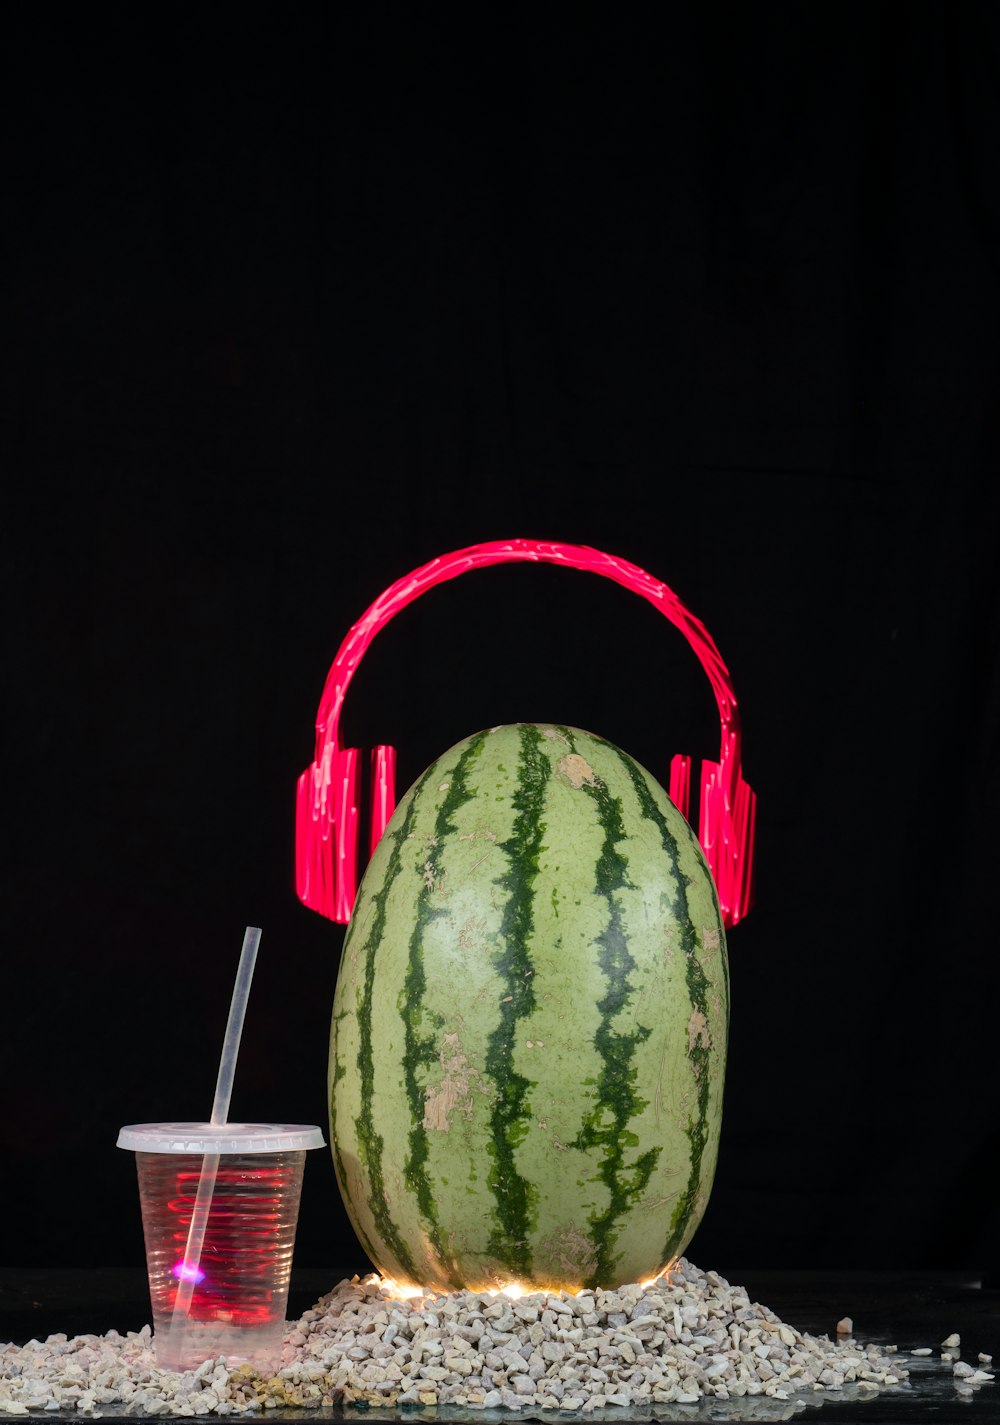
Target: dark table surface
907,1309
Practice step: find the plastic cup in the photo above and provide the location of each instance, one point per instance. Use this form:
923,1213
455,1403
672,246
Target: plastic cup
239,1281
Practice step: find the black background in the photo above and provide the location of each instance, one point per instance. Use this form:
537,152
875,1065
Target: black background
297,299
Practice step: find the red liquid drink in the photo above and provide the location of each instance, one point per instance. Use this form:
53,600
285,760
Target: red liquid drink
227,1293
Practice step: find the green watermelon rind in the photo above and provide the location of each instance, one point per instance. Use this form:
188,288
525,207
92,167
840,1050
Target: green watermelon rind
530,1022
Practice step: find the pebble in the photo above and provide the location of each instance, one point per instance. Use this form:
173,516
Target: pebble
951,1341
687,1337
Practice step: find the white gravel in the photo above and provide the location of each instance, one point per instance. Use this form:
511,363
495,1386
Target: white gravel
686,1336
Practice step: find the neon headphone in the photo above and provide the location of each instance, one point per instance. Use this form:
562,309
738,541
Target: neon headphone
327,819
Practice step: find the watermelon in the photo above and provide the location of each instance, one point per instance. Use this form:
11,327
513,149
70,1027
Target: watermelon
530,1022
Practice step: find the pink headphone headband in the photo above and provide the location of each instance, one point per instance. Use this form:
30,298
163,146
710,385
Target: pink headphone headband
327,816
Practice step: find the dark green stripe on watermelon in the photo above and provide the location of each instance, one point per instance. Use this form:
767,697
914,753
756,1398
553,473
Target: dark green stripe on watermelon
510,1118
339,1073
420,1050
698,1053
697,1128
370,1142
616,1100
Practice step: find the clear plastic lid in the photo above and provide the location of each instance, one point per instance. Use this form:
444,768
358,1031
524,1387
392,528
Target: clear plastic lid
225,1138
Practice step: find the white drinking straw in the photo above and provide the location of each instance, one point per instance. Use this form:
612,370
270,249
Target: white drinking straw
220,1115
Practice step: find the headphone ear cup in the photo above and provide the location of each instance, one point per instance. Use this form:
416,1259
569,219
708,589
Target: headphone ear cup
679,790
383,793
745,826
314,842
710,832
327,824
727,838
345,827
